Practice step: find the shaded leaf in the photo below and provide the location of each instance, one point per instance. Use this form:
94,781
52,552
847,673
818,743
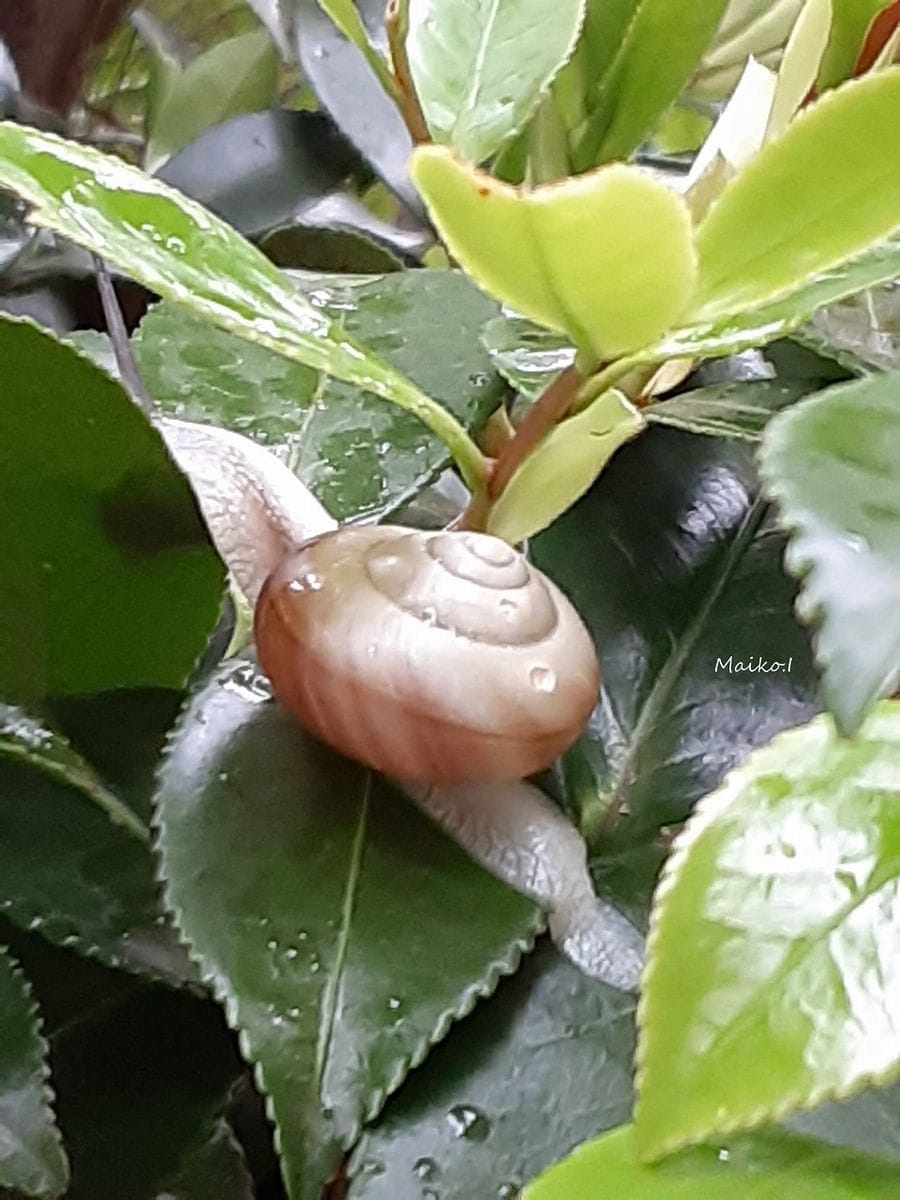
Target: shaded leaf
480,69
862,333
100,536
538,252
527,356
753,247
850,24
675,565
347,936
868,1122
770,1163
216,1170
732,410
544,1065
360,456
833,465
786,886
32,1160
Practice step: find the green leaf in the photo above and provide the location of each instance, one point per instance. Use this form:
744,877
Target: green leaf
744,330
543,1065
732,410
346,16
361,457
869,1122
527,356
753,246
346,936
109,577
563,467
766,1164
183,253
850,24
861,333
216,1170
675,564
32,1159
785,885
800,63
237,76
539,252
660,48
480,69
757,28
833,465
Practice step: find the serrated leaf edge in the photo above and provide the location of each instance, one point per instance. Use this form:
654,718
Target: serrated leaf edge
703,816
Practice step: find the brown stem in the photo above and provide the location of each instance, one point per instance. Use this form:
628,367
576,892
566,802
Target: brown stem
548,410
411,109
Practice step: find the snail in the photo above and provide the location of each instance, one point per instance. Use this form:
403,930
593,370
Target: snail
445,660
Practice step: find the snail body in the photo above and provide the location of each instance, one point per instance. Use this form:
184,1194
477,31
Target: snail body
438,657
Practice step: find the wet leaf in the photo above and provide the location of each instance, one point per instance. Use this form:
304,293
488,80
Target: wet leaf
33,1160
732,410
753,247
786,886
527,356
361,456
543,1065
480,70
346,937
833,465
109,577
770,1163
862,333
538,252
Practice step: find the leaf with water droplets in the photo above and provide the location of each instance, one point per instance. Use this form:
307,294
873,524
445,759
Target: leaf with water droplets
833,464
345,937
785,884
32,1159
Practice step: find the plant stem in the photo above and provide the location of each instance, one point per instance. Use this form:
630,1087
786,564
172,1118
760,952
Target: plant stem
473,465
396,23
605,379
548,410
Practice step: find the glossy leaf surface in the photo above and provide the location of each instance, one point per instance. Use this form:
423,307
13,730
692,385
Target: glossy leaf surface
675,564
32,1159
538,251
732,410
480,68
527,356
753,247
786,886
99,533
347,937
360,455
833,464
765,1164
543,1065
861,332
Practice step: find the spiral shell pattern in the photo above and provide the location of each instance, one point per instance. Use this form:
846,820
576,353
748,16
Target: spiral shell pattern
441,657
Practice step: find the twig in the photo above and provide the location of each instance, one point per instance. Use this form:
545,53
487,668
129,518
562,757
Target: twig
396,24
548,410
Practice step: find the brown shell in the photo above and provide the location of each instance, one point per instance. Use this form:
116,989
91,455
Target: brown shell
440,657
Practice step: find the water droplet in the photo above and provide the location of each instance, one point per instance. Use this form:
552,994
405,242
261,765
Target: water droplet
372,1167
222,777
542,679
315,966
294,1013
291,952
426,1169
509,608
393,1003
467,1122
724,1156
302,935
272,944
506,1191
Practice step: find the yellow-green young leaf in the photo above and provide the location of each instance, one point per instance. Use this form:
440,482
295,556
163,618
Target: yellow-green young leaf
563,467
852,19
606,258
802,56
823,193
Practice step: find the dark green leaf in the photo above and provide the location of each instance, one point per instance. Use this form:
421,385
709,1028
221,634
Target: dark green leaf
862,333
732,410
675,565
526,355
833,464
544,1065
140,1085
360,455
109,577
340,249
785,884
216,1170
343,933
32,1159
768,1164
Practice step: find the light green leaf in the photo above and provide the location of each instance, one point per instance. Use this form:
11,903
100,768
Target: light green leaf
342,931
606,258
833,465
800,63
661,47
823,193
771,1164
481,66
785,885
563,467
32,1159
733,410
179,250
852,19
109,578
236,76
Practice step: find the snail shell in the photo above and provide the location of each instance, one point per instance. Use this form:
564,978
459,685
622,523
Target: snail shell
441,657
